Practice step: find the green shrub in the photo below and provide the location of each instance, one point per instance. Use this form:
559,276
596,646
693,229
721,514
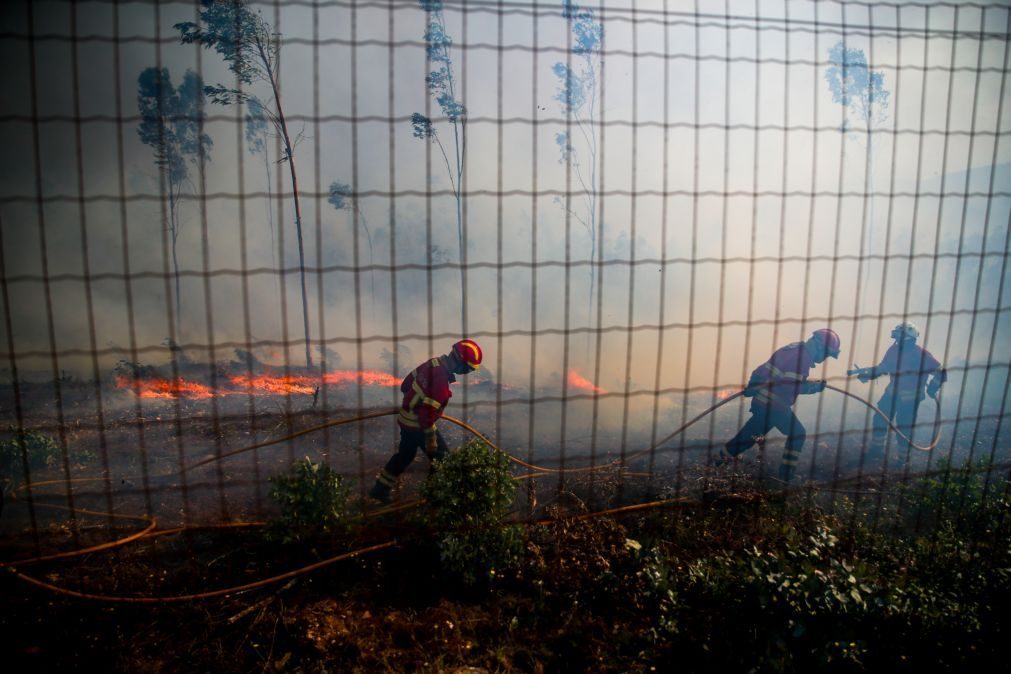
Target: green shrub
958,495
313,501
468,496
802,600
660,589
41,450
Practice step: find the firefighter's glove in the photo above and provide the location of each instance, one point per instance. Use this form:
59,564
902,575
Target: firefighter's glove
752,389
814,386
936,382
431,444
863,374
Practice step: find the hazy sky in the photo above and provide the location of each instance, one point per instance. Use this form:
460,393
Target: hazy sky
707,118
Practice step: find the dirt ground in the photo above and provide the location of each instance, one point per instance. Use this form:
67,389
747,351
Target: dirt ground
390,610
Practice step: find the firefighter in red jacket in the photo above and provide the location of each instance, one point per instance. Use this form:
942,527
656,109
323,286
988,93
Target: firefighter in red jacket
773,388
426,393
908,366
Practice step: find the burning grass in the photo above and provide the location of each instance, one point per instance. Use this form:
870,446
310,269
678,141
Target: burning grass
248,385
672,588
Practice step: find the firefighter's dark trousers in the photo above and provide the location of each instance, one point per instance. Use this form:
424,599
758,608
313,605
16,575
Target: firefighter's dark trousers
410,442
901,408
763,419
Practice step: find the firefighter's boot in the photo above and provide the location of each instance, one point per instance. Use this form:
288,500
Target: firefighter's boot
384,484
381,493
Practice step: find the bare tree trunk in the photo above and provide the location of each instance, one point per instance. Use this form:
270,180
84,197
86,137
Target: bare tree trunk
174,231
274,259
301,249
289,151
460,159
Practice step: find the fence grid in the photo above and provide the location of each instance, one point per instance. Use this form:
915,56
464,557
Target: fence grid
233,221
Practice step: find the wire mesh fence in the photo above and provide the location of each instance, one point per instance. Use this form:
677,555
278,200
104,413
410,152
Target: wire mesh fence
226,223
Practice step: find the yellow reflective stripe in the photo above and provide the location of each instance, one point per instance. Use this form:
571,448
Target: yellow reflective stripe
431,402
472,346
790,460
419,394
434,362
779,374
409,419
386,478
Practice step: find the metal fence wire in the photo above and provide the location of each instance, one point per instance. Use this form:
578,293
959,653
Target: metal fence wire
222,224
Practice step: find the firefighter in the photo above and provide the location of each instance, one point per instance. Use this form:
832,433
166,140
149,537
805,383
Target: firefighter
908,366
773,388
426,393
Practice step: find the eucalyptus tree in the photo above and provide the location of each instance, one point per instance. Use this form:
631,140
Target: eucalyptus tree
170,125
861,94
257,133
252,52
342,199
578,80
442,86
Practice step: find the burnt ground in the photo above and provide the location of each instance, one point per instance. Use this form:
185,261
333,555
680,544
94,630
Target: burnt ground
576,602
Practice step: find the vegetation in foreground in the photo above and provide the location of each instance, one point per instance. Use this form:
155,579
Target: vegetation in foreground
748,583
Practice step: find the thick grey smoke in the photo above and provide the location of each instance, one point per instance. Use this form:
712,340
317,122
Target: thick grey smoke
720,255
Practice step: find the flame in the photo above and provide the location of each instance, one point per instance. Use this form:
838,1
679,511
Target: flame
725,393
370,377
266,384
158,387
578,381
274,385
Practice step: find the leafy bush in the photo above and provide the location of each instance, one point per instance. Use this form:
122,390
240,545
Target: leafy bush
661,591
468,496
41,450
313,500
805,595
956,494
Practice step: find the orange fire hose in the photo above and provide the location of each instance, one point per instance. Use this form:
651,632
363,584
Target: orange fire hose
888,420
149,530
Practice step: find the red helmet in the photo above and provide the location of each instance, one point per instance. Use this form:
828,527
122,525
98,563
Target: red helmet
829,339
468,352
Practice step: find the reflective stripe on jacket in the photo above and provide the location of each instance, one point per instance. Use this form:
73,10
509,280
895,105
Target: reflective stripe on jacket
426,393
782,378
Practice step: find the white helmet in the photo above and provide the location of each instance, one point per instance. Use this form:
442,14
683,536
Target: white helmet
905,331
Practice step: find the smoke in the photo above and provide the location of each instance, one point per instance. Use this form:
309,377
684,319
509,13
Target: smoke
712,250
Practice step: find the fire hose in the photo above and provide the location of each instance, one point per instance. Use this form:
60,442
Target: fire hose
150,529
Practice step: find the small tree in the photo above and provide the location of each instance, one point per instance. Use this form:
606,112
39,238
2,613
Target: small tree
313,500
244,40
170,124
341,199
39,450
577,94
469,495
442,86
